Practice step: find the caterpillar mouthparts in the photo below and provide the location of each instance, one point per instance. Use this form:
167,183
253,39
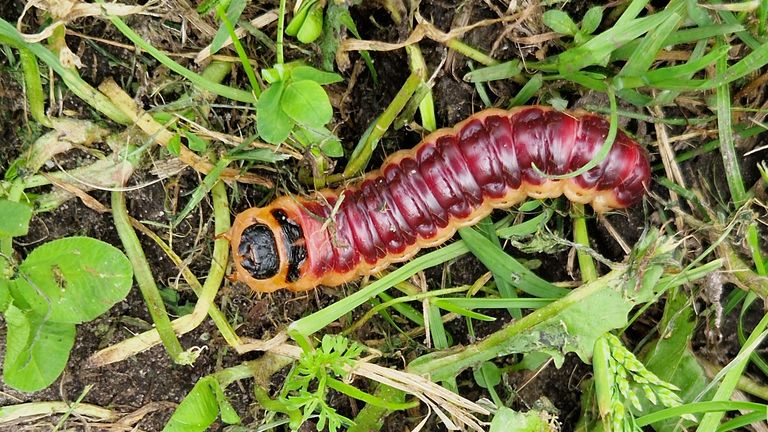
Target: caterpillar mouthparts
418,198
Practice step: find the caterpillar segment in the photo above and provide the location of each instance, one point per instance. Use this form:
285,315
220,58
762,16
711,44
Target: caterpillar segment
419,197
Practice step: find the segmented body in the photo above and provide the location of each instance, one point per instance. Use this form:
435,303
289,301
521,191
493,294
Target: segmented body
419,197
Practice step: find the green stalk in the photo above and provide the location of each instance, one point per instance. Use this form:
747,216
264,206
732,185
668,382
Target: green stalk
727,146
198,80
318,320
730,380
34,87
471,52
371,417
362,154
280,31
144,278
217,270
715,407
427,105
6,242
581,236
450,365
94,98
261,369
252,79
218,318
10,414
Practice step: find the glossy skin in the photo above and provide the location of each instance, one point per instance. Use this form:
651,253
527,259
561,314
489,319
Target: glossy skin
419,197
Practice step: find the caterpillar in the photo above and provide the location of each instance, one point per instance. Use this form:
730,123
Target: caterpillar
418,198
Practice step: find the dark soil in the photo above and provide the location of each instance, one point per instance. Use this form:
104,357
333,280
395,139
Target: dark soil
150,379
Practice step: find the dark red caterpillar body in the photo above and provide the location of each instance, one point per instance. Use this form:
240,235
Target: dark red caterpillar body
419,197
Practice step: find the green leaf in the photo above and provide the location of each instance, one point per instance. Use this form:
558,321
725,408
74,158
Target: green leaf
312,27
560,22
234,10
14,219
329,143
301,73
206,5
307,103
598,50
576,330
273,75
36,350
487,375
73,280
195,142
201,407
332,148
496,72
508,420
293,27
507,267
258,155
5,294
592,20
174,145
272,123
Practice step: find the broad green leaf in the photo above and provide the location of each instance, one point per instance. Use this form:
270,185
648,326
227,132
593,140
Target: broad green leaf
575,328
272,123
487,375
592,20
301,73
201,407
669,357
195,142
560,22
306,103
75,279
508,420
234,10
14,219
566,325
36,350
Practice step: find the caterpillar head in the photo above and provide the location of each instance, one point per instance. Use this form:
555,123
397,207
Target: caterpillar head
268,248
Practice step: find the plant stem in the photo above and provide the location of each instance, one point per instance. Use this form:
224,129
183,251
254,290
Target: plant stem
9,36
280,32
441,368
362,154
214,87
727,149
34,87
471,52
371,417
581,236
144,278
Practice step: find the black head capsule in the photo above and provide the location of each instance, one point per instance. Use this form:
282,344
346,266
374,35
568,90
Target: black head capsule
258,250
295,245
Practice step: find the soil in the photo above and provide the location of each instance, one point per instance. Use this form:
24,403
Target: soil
150,380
